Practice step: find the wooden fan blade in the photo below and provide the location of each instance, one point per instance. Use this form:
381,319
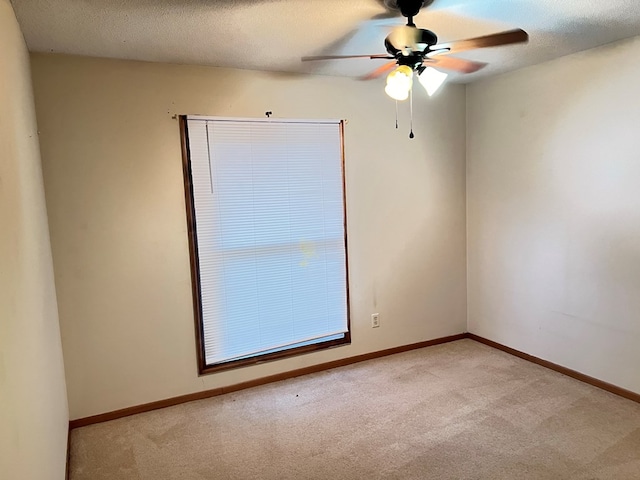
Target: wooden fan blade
379,71
456,64
340,57
495,40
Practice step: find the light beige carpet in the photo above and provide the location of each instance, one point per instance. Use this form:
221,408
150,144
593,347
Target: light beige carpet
456,411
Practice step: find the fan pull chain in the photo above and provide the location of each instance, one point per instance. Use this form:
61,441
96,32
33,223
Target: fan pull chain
411,135
396,114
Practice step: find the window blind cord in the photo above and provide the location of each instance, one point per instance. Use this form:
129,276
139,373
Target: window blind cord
206,126
411,135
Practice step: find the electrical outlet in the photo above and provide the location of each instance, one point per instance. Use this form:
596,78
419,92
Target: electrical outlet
375,320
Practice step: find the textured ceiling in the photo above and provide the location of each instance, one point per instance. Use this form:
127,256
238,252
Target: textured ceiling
274,34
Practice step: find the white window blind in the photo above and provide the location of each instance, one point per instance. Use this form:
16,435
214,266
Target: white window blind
269,215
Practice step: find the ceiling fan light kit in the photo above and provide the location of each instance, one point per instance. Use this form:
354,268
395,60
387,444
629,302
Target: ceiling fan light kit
416,50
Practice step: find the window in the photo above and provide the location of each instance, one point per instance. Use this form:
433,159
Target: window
265,207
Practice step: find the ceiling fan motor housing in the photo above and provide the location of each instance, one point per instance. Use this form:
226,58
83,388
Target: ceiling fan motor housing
426,37
409,8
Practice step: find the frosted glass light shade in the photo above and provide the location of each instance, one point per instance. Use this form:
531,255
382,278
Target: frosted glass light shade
397,93
399,83
432,79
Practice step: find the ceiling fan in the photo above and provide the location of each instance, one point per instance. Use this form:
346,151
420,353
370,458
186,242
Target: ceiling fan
416,50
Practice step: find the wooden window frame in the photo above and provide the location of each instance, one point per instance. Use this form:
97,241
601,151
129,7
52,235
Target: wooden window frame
203,368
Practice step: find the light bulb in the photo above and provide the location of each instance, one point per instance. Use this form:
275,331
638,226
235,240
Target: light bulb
432,79
399,83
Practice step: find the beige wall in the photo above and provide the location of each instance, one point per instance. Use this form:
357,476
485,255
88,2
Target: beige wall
33,404
554,211
113,178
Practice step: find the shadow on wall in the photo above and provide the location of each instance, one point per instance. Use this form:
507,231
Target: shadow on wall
595,174
567,214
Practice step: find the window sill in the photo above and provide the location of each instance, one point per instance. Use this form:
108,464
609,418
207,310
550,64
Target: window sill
269,357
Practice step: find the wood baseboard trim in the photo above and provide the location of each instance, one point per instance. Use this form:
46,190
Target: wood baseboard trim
147,407
628,394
